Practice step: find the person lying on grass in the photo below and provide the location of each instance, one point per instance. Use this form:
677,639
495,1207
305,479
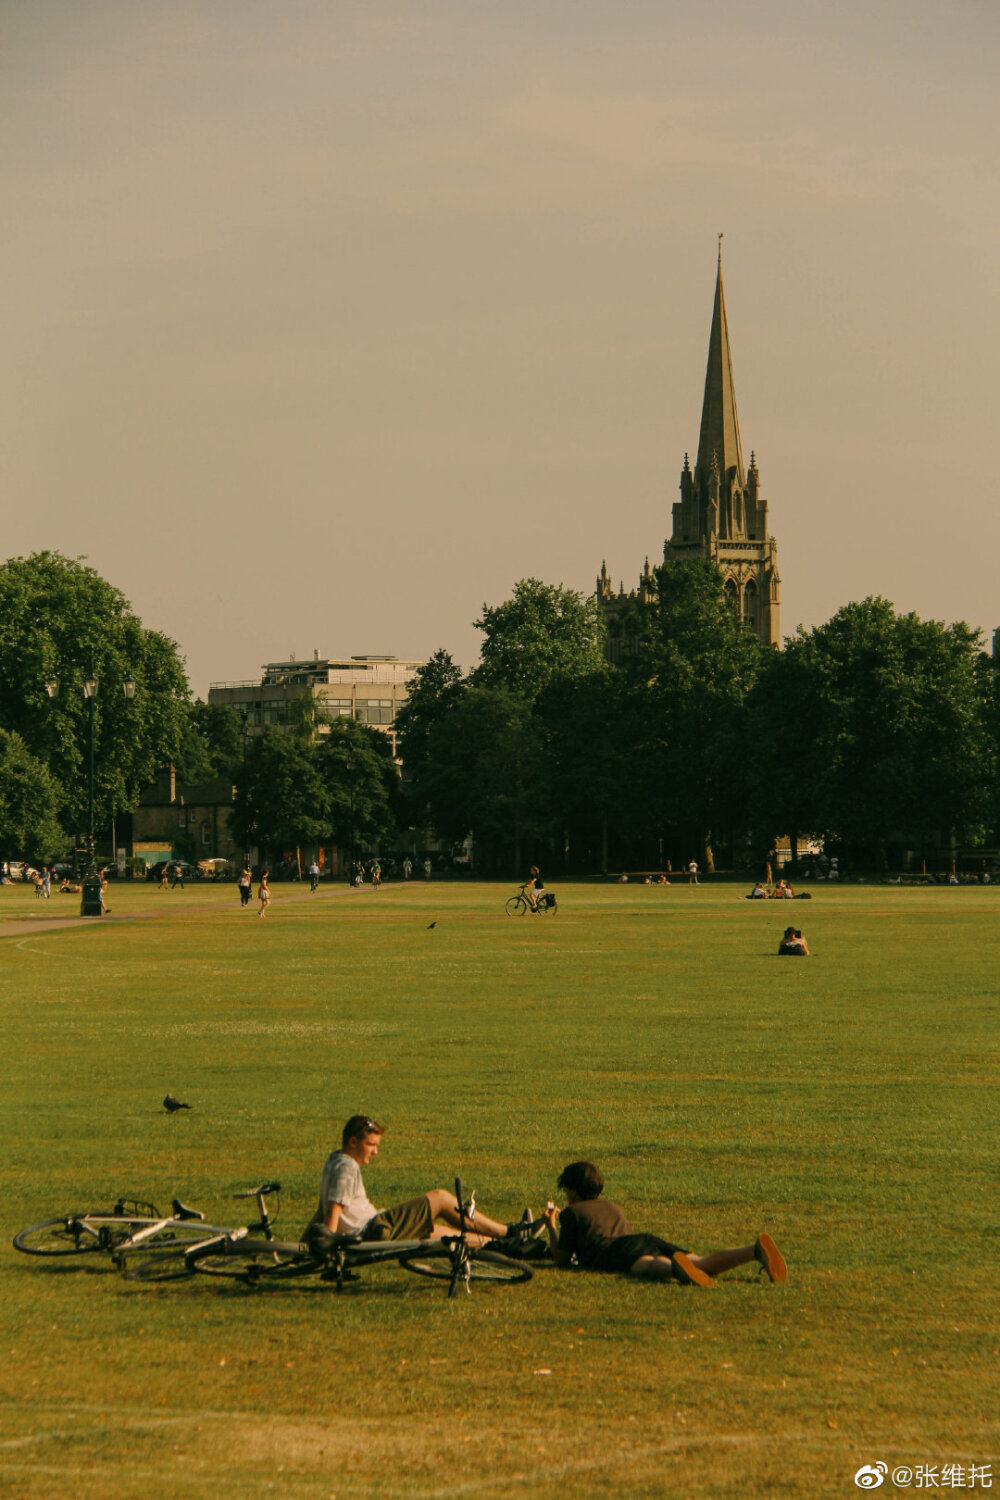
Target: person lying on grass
598,1237
344,1207
793,944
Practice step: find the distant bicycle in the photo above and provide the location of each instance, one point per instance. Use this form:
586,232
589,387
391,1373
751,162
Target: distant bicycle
545,903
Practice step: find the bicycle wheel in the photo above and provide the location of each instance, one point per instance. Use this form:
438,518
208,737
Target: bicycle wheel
543,908
70,1236
484,1265
516,906
172,1265
257,1260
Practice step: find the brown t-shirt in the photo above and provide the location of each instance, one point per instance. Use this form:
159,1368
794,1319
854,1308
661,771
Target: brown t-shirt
586,1229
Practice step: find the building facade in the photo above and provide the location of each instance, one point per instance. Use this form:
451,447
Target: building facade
175,820
721,515
371,689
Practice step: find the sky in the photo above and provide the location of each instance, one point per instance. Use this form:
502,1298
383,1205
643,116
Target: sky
323,323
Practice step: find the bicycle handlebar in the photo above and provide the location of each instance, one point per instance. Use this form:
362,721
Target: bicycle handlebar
260,1192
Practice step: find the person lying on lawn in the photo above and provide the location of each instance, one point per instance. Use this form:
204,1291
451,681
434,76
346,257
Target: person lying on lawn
344,1206
597,1235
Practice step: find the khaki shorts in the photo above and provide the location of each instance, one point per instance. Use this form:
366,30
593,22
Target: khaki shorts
411,1220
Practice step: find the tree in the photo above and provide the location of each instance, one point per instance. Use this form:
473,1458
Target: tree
59,619
360,780
489,774
694,664
29,803
283,801
900,748
542,632
591,725
211,743
436,688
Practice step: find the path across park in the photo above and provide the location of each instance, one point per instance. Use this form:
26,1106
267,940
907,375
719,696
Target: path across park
37,926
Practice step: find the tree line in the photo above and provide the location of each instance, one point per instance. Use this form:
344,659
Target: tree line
877,732
62,627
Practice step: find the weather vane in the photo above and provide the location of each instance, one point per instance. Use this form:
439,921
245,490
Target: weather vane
720,247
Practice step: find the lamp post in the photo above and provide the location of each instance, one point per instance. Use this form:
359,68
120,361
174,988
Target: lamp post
245,715
92,904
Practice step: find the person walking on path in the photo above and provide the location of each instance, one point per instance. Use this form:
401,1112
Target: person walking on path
263,893
314,876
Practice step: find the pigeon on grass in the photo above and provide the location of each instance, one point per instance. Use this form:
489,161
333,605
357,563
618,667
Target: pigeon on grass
172,1105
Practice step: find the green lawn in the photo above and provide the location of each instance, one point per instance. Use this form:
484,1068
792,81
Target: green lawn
847,1103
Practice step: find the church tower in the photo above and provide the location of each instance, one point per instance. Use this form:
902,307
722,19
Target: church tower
721,514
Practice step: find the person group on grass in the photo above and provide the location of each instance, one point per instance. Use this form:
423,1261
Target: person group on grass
589,1233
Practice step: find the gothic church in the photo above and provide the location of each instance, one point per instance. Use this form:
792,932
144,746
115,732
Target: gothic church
721,514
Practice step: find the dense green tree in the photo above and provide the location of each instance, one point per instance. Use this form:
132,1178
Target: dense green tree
791,724
283,801
489,775
211,743
541,633
59,619
693,665
591,725
436,687
899,751
29,805
361,785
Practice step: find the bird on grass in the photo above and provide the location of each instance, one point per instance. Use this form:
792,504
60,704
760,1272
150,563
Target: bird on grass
172,1105
431,924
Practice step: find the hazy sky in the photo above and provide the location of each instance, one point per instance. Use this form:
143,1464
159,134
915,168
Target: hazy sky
323,323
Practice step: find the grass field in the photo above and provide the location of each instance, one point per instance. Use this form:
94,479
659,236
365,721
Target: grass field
847,1103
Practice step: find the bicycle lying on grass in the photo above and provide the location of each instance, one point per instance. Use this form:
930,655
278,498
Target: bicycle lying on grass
337,1258
545,903
134,1225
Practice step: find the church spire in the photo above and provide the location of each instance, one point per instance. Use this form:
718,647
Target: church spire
720,430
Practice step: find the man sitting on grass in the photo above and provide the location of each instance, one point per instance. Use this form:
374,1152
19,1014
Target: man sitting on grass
344,1207
598,1237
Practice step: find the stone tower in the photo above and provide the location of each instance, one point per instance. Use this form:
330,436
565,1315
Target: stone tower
721,514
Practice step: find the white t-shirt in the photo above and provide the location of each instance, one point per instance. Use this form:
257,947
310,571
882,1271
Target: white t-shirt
342,1184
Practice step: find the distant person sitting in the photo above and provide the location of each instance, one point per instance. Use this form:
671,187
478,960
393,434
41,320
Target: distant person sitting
782,892
793,944
758,893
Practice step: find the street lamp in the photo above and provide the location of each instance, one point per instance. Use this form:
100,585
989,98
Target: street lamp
91,905
245,716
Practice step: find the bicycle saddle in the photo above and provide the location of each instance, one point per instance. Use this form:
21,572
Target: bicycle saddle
181,1212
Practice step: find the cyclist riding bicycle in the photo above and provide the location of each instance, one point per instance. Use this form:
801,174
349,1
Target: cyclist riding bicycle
533,888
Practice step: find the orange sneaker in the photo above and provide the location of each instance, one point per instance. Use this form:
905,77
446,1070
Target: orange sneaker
770,1257
688,1274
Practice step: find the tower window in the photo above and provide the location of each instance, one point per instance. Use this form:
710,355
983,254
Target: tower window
751,610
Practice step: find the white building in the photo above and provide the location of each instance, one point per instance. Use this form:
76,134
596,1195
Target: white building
370,689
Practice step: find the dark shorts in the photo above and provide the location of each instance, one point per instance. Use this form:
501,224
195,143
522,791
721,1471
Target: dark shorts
622,1253
411,1220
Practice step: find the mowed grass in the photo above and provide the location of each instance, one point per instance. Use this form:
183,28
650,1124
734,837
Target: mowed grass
847,1104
